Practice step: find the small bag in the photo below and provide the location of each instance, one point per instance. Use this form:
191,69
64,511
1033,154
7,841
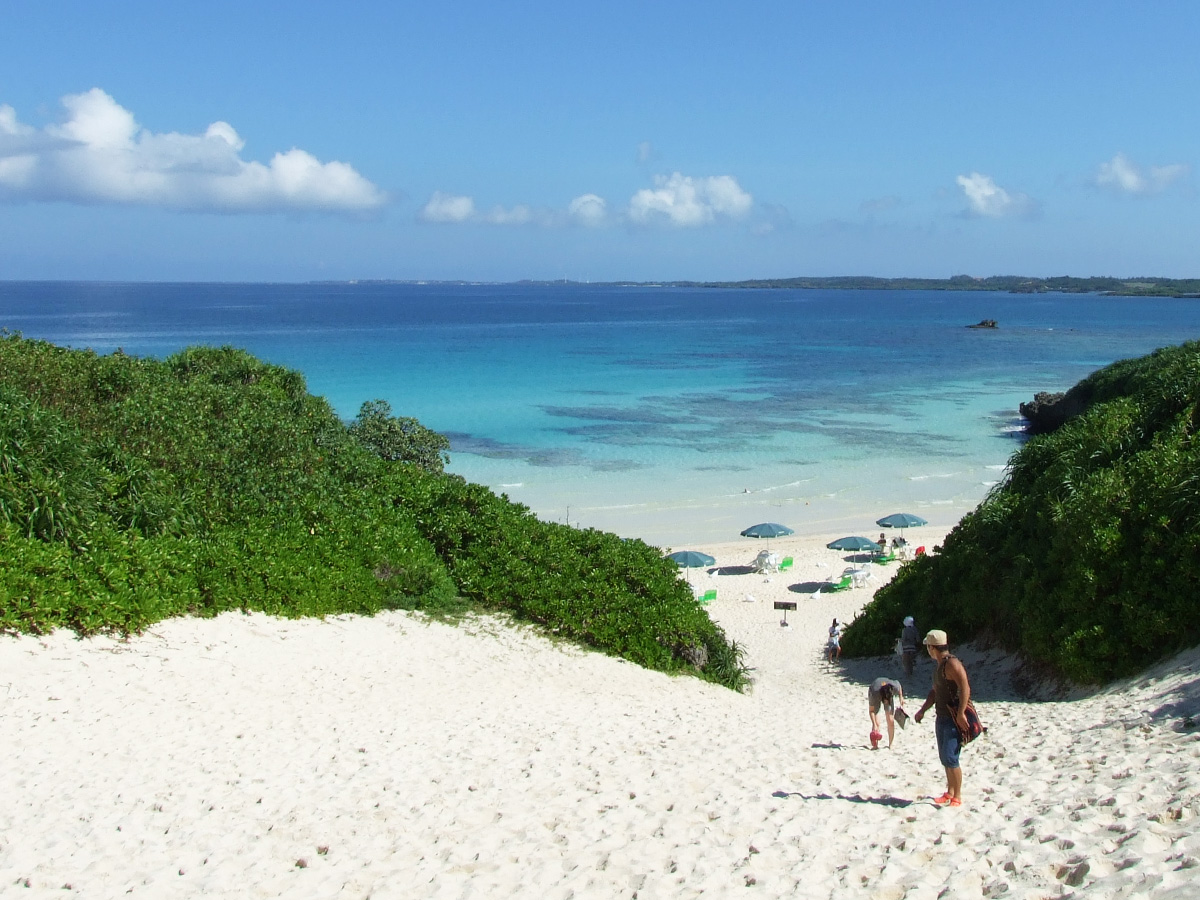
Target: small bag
974,727
900,716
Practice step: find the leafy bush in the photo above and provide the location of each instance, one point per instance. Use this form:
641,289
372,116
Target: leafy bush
399,438
615,594
1087,557
132,490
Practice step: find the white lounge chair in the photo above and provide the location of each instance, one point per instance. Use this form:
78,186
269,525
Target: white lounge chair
765,563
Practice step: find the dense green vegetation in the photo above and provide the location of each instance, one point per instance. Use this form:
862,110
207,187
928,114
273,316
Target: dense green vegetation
134,489
1087,557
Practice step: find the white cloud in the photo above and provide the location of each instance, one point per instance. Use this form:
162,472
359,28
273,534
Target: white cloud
677,199
1124,175
986,198
99,154
588,209
455,209
645,152
9,126
689,202
448,208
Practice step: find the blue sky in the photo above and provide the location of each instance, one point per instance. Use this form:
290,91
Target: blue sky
700,140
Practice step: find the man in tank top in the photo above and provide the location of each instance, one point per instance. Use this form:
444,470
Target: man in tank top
950,695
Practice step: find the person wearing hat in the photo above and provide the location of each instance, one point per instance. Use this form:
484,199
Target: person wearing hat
950,695
909,639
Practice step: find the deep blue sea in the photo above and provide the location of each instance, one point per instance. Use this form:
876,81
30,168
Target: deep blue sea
673,414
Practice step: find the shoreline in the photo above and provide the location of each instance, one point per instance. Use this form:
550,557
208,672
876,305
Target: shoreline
666,516
397,756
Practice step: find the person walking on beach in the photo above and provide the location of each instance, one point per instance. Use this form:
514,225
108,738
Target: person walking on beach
834,648
888,694
950,695
909,638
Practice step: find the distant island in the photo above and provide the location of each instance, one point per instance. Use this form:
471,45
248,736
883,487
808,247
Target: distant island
1015,284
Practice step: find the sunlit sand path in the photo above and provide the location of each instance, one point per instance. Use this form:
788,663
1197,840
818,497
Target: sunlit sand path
393,758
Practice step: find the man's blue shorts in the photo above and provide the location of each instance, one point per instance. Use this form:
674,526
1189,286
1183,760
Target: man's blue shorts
949,741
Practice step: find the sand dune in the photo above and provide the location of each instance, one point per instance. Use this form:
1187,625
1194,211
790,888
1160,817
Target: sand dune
392,757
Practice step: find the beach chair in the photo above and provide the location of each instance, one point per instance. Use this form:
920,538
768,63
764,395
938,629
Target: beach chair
884,558
764,563
785,564
708,596
920,550
843,583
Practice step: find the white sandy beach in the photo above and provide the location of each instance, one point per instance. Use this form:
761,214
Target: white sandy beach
396,758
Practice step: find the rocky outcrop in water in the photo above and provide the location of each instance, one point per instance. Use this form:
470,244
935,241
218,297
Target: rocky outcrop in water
1047,412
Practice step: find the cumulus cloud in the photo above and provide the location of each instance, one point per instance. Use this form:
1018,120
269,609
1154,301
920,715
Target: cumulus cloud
986,198
99,154
448,208
688,202
455,209
588,209
1123,175
676,200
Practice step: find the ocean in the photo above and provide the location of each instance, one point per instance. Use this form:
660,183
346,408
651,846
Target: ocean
678,415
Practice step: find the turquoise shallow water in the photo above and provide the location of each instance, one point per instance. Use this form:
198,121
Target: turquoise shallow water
670,414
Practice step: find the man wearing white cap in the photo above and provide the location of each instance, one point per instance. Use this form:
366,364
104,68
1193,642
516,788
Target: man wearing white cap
909,639
950,695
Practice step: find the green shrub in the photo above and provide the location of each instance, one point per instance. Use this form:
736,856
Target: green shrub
399,438
1087,557
132,490
614,594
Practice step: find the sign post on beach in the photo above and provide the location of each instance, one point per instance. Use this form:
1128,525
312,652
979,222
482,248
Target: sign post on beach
785,605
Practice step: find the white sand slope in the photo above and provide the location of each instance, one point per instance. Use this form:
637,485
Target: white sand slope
389,757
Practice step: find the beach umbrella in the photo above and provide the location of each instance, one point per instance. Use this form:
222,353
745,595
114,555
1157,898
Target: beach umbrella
854,544
767,530
690,559
901,521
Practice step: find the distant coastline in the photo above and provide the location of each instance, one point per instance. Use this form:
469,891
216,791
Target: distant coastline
1014,284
